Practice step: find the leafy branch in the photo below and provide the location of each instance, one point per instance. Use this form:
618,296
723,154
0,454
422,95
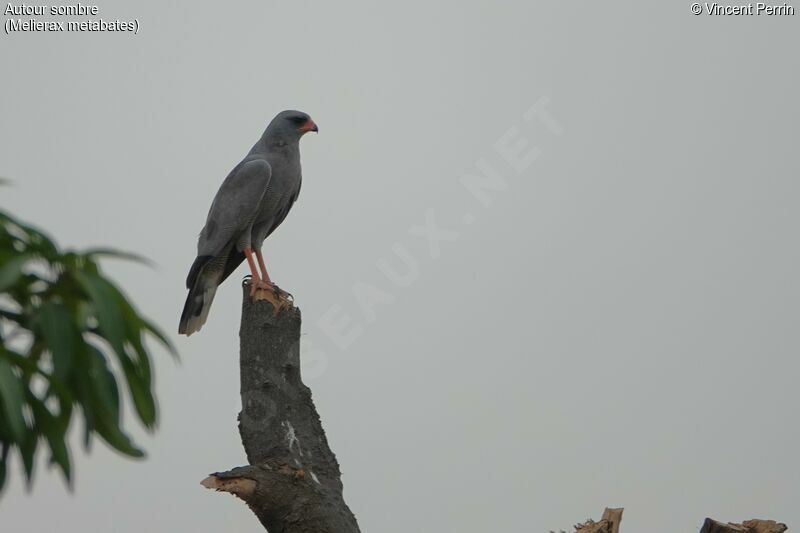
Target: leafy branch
69,340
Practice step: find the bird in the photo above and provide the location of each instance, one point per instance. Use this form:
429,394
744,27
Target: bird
251,203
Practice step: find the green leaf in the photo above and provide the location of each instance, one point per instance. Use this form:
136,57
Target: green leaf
27,450
158,334
65,415
61,337
139,384
80,385
107,313
3,467
11,271
104,386
105,404
118,254
38,241
12,396
59,455
137,369
54,432
88,425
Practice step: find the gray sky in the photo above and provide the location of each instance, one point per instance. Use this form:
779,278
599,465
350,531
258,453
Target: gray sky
618,326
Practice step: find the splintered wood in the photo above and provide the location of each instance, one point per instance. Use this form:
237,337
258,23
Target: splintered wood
609,523
240,487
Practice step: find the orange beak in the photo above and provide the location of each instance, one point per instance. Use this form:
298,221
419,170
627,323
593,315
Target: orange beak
309,126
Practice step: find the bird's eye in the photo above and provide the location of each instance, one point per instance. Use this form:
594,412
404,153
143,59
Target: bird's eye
299,119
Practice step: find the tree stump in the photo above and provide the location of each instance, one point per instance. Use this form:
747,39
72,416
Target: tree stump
292,483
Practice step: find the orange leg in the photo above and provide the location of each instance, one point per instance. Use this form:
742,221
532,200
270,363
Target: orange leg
279,298
265,277
256,282
263,266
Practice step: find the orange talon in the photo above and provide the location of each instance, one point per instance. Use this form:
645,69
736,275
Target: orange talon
261,287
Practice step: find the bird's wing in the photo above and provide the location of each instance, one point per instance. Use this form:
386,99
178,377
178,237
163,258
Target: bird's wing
280,216
232,211
235,206
236,257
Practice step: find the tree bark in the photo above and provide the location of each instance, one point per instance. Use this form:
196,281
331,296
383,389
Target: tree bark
748,526
292,483
609,523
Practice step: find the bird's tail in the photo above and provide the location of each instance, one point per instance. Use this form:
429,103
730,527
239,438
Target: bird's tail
198,303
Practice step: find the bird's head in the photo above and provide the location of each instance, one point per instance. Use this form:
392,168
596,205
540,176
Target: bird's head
291,124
